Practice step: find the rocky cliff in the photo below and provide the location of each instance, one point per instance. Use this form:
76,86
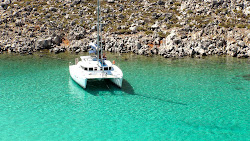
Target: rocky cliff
171,28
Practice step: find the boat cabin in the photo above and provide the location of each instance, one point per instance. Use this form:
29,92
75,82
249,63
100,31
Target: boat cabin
89,63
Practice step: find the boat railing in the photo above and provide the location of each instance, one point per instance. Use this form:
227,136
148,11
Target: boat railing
104,74
76,60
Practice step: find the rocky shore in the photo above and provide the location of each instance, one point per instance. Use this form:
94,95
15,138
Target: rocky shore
171,28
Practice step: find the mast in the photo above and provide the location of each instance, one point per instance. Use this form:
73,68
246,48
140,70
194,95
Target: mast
99,31
98,37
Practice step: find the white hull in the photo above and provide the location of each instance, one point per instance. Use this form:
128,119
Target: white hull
117,81
79,80
81,77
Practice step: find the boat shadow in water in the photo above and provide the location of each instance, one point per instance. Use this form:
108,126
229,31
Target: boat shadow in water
128,89
106,87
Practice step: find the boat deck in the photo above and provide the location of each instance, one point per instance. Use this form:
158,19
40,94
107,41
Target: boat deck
101,76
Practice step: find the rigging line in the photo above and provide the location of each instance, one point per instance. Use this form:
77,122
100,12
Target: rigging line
98,43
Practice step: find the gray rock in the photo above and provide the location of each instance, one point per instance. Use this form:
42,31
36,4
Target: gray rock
19,22
133,29
248,53
57,40
44,43
241,43
121,16
160,2
141,51
53,9
76,44
75,2
78,50
177,41
67,16
48,15
111,1
5,3
73,22
56,50
155,26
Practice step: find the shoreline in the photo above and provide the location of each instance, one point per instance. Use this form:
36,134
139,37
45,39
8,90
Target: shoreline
123,56
169,47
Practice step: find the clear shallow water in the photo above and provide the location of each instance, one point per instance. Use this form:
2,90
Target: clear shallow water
161,99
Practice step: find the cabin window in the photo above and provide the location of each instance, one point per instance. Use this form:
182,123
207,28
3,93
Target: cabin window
84,68
106,68
110,68
95,68
90,69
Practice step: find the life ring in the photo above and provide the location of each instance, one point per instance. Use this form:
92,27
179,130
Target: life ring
113,62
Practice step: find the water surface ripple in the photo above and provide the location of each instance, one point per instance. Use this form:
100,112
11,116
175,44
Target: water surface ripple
161,99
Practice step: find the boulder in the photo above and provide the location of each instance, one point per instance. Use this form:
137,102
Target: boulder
57,40
44,43
248,53
75,2
53,9
155,26
111,1
78,50
73,22
241,43
56,50
5,3
160,2
19,22
133,29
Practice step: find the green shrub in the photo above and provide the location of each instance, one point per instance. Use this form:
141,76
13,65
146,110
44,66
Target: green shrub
248,26
162,35
124,31
169,26
141,28
199,25
177,4
241,26
148,32
189,11
178,25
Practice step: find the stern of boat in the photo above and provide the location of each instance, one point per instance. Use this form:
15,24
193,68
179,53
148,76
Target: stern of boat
117,81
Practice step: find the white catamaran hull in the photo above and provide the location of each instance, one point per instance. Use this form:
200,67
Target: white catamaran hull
80,79
117,81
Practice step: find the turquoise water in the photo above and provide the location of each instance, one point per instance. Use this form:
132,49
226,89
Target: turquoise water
161,99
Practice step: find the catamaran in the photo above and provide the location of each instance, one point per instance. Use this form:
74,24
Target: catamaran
95,66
